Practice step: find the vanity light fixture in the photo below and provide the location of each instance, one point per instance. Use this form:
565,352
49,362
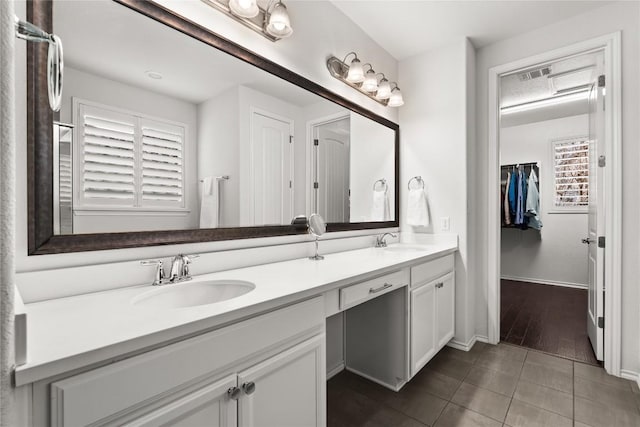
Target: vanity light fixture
367,82
271,21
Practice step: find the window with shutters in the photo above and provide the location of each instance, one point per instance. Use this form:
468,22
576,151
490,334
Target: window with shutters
128,161
571,174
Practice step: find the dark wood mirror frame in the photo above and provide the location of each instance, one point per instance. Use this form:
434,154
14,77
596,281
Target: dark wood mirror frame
40,147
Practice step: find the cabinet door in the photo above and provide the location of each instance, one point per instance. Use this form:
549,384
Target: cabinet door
209,406
287,389
446,304
423,326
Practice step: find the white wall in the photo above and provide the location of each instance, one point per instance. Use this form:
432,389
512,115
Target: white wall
371,158
320,30
624,16
555,254
112,93
434,142
218,154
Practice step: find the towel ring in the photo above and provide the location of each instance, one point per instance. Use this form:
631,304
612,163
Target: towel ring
418,179
384,184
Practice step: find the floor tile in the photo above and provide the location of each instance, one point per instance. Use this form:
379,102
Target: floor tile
457,416
598,374
436,383
597,414
548,377
492,380
545,398
450,366
524,415
485,402
416,403
563,365
500,362
508,351
346,407
466,356
386,417
611,396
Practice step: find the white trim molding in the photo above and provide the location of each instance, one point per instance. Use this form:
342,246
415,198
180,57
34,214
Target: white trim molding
610,44
630,375
469,344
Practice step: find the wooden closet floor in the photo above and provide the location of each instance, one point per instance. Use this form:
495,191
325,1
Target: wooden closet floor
552,319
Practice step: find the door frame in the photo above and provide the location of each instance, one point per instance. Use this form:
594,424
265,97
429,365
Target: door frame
610,44
253,110
311,125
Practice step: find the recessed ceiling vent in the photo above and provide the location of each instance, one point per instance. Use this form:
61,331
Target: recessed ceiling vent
534,74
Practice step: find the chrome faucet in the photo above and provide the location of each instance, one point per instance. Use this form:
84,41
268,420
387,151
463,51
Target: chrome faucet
380,242
179,269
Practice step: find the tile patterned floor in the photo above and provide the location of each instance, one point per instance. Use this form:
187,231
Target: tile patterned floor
501,385
552,319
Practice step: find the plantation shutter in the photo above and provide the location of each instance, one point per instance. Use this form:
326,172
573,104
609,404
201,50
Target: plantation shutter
571,168
162,163
107,158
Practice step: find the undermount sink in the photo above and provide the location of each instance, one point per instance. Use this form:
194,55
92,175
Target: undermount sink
180,295
402,247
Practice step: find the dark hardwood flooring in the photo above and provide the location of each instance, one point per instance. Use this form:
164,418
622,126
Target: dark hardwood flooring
552,319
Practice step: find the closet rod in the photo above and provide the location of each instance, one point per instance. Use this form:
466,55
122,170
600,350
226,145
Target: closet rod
521,164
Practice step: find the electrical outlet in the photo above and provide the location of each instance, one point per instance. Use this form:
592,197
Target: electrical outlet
444,223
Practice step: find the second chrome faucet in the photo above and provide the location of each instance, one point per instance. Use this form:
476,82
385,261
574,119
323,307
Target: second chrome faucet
179,269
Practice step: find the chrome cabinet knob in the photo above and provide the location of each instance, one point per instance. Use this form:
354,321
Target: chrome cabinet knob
249,387
234,393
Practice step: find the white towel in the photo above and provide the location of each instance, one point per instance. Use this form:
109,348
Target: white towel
417,210
209,203
380,206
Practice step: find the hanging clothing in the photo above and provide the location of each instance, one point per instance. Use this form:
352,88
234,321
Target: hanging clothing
533,202
505,203
519,198
511,194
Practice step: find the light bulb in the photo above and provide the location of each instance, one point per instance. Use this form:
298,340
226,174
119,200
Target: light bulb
279,24
395,100
356,73
244,8
370,83
384,89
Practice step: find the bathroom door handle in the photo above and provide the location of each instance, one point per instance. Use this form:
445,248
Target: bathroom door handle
588,241
380,289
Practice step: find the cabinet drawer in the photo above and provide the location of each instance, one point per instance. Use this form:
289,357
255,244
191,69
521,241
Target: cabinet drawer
361,292
424,273
93,396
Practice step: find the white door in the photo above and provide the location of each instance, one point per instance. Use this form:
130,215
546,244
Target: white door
208,406
287,390
331,148
595,311
272,170
423,325
445,302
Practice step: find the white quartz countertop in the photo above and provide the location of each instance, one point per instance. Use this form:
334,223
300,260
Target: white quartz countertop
70,333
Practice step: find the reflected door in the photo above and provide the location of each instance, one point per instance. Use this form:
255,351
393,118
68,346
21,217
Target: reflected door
331,186
595,312
272,170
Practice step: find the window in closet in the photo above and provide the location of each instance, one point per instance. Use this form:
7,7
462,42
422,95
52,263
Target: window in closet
571,174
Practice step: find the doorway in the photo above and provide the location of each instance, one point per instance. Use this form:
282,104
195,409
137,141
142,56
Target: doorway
610,329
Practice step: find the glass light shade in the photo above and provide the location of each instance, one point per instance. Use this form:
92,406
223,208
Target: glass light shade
244,8
356,73
384,89
279,24
395,100
370,83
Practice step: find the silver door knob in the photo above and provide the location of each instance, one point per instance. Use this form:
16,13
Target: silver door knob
234,393
249,387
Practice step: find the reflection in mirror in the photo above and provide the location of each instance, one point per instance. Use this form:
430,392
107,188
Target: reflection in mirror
317,227
167,133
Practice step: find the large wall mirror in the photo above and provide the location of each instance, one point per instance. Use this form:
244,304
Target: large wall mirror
170,134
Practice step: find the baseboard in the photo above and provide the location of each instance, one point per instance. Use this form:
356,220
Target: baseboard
377,381
335,370
545,282
468,345
630,375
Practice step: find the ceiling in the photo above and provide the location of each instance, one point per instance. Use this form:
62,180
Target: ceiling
110,40
406,28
